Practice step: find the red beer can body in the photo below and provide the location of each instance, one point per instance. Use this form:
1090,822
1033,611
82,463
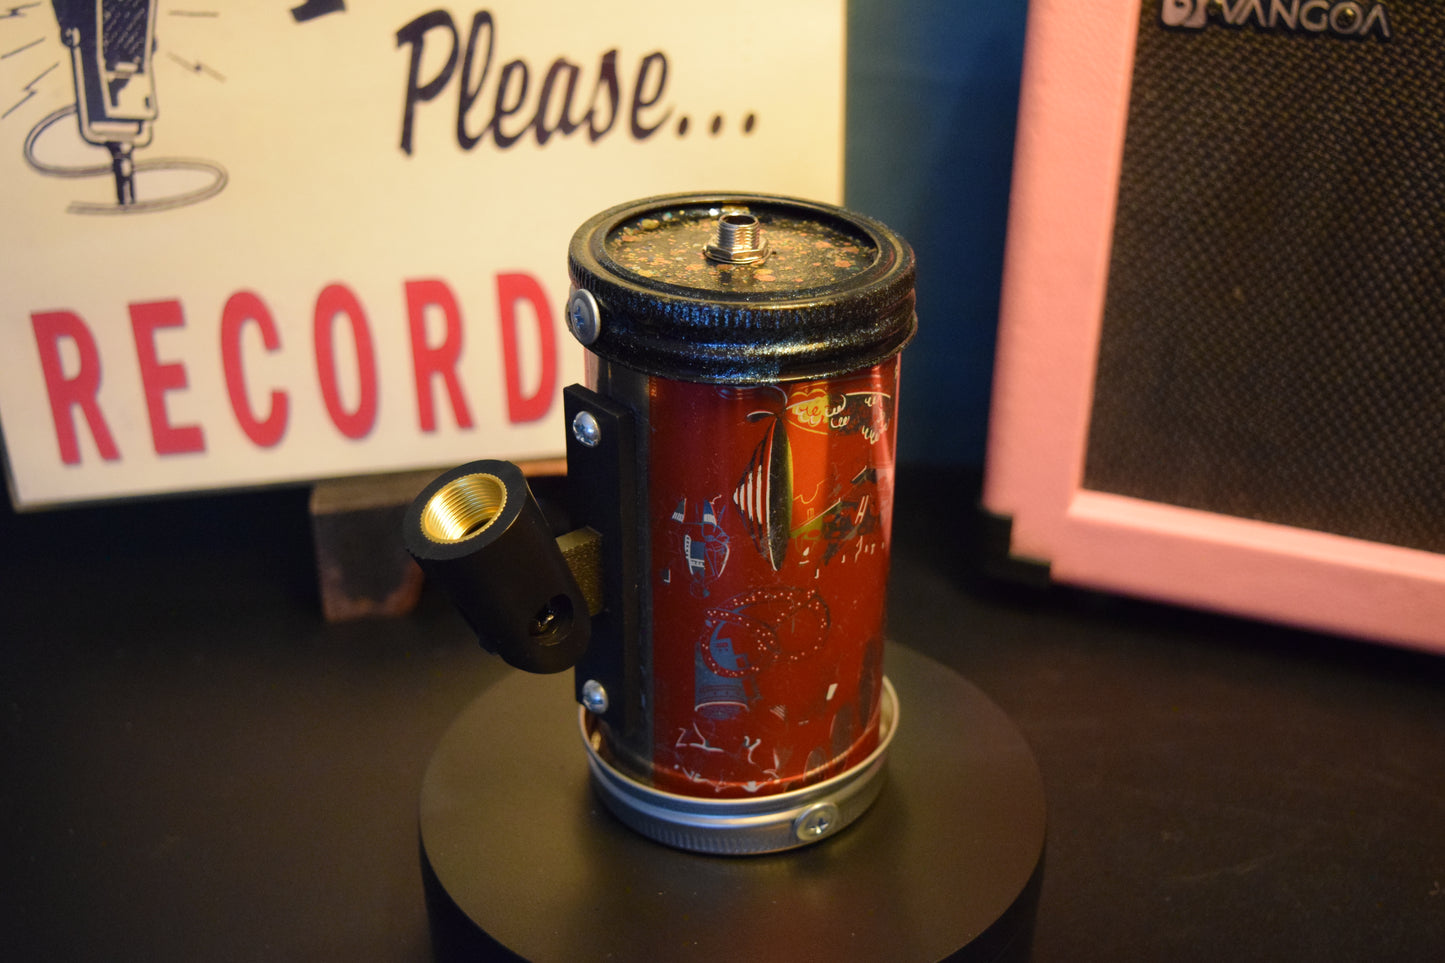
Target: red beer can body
768,511
765,396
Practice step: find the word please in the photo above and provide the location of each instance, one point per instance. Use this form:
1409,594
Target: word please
72,366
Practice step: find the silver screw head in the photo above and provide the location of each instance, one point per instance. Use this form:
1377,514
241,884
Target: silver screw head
583,318
816,821
586,429
594,697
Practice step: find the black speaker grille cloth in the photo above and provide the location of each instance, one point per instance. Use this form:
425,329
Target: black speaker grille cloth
1272,341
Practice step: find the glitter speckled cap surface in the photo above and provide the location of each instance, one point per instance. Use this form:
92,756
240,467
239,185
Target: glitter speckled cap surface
814,291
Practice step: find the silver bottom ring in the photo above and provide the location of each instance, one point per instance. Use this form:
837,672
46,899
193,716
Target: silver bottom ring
740,827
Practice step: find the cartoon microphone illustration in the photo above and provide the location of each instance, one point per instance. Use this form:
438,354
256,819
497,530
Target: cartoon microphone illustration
112,44
112,50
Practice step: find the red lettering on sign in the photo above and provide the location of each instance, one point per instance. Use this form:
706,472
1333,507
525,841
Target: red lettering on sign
157,377
243,307
431,361
521,406
79,390
334,300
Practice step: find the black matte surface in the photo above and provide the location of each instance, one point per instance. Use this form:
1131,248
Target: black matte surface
193,766
500,566
943,865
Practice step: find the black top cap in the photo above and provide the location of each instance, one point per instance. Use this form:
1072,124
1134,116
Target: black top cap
781,289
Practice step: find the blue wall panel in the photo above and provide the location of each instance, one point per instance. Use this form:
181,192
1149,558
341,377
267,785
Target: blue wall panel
932,97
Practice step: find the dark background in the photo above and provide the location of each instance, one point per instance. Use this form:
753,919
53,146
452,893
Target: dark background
196,766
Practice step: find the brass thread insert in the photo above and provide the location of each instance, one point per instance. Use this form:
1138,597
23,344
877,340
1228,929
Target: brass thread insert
463,507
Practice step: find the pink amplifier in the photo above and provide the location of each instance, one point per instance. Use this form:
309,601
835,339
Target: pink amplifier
1221,363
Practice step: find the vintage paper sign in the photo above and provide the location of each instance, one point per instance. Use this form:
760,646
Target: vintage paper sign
248,243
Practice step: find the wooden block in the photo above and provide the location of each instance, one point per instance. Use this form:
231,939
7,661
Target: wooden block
361,566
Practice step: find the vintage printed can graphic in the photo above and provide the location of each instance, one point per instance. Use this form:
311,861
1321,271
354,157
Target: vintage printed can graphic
767,598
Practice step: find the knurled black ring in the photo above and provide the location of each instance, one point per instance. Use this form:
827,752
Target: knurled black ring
746,337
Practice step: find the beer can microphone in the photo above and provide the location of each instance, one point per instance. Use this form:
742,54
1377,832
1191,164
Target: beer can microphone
731,463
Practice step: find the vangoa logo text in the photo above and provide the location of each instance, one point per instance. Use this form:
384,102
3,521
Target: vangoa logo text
1341,18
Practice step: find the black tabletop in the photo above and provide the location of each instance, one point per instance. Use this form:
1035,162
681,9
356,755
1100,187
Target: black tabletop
196,766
